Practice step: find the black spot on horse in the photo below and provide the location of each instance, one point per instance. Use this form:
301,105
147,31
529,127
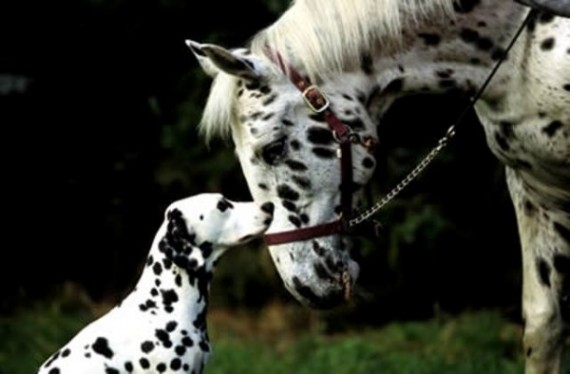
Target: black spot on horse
295,165
111,370
430,39
290,206
101,346
547,44
161,367
302,182
529,208
295,221
561,264
552,128
287,193
306,292
498,53
502,142
566,87
484,44
545,17
543,271
367,64
395,86
563,231
469,35
465,6
324,153
320,136
269,100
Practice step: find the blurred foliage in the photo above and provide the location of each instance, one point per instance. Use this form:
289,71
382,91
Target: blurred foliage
104,138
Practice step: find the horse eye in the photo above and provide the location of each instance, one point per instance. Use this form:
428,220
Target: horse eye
273,152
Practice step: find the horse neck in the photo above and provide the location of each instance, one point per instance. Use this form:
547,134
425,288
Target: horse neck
455,54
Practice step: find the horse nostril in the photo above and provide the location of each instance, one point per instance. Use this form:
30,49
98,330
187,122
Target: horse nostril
268,208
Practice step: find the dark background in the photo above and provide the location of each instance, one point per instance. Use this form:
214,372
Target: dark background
99,101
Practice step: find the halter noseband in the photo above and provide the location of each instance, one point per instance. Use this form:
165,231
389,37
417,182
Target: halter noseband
343,134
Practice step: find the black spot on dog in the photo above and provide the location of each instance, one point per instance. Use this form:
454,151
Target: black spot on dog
368,162
147,346
180,350
206,248
65,352
111,370
161,367
163,337
54,371
175,364
204,346
224,205
187,341
157,268
171,326
101,346
543,271
145,364
129,366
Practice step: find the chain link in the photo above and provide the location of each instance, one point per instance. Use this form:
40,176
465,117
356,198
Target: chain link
406,181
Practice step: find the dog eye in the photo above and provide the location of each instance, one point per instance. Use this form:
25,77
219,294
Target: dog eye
274,152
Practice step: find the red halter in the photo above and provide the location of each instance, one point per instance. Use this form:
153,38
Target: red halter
341,133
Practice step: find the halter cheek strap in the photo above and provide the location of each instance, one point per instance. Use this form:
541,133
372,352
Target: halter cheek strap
318,103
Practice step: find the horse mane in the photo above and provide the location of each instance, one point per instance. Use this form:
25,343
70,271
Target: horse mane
323,37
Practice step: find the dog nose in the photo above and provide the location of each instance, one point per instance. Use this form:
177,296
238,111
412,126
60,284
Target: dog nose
268,208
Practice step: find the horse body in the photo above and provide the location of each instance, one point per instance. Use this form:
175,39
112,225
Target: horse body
364,57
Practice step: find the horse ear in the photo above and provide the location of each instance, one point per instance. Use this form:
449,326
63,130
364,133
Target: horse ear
214,59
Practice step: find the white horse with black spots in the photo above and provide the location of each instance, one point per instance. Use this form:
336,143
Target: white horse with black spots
363,55
160,327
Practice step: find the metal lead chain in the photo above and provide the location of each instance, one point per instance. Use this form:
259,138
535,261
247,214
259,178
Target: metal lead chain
406,181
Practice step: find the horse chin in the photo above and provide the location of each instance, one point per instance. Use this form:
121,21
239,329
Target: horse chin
316,280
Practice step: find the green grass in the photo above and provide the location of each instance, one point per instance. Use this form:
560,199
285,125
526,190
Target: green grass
480,342
472,343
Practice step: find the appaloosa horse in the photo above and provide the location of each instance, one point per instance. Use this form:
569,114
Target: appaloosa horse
310,90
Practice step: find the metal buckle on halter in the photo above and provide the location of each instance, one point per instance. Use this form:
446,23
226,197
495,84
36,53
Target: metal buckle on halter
321,101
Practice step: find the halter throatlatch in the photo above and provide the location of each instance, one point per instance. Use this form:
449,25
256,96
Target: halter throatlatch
343,134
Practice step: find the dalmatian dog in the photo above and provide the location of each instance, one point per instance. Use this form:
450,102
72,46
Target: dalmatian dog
160,327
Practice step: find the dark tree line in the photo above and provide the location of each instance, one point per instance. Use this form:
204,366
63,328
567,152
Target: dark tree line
99,105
